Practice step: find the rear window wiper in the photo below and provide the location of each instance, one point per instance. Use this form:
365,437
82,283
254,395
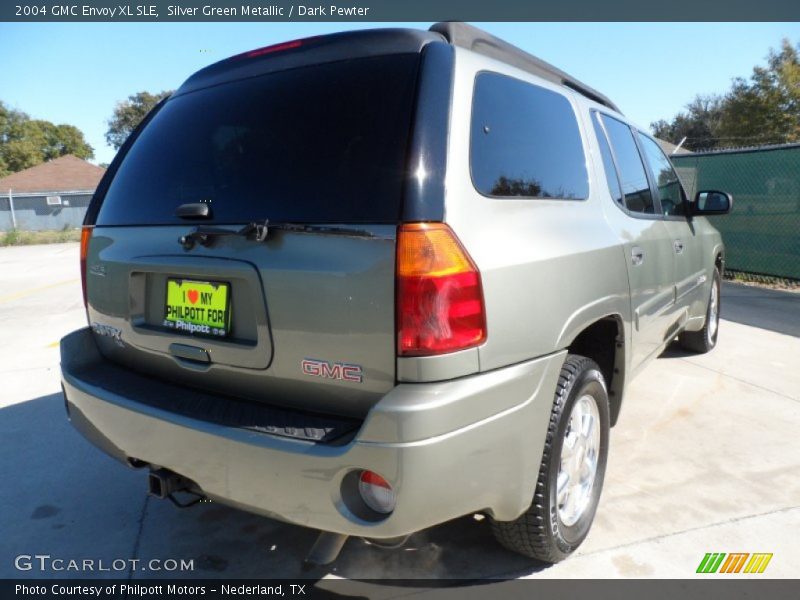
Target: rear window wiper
260,231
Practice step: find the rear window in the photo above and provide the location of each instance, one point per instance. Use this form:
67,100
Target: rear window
325,143
525,141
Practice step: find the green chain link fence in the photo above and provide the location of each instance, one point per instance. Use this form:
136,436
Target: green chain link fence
762,232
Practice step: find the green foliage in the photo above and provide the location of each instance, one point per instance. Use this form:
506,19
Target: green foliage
26,142
698,124
762,110
10,239
16,237
775,283
128,114
768,106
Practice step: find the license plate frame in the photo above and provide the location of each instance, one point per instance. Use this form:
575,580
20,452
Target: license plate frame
192,307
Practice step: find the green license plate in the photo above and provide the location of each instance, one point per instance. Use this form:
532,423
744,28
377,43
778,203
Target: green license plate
201,307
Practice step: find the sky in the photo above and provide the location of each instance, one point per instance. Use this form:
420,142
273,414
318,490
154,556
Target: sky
76,72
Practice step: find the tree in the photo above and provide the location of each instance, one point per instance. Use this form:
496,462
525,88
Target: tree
765,109
698,124
26,142
762,110
129,113
505,186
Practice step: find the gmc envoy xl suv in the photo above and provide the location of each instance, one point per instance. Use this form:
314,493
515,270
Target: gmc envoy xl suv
373,281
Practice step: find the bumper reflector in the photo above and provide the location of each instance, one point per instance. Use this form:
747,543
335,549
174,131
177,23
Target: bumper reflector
376,492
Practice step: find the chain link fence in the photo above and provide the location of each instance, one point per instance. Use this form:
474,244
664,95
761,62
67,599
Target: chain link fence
762,232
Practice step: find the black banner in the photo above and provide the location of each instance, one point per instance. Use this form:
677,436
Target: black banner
400,10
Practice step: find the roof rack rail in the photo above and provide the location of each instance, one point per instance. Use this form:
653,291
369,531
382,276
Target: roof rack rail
477,40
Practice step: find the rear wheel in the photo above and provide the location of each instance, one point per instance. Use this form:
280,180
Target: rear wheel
572,469
704,340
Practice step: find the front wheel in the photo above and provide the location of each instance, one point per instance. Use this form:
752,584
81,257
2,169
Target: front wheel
572,469
704,340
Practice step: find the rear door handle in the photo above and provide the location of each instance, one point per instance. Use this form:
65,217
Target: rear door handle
637,256
678,245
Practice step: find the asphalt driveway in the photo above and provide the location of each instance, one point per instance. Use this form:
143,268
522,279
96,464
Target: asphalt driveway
705,458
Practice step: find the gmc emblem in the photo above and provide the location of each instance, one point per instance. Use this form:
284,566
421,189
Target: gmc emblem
322,368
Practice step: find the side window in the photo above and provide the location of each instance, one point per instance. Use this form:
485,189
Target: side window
525,141
608,161
631,169
670,192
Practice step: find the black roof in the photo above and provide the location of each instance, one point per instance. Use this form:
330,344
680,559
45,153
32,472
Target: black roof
308,51
375,42
477,40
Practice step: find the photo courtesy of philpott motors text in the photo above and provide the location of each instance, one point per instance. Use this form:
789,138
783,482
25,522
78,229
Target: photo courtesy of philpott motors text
315,298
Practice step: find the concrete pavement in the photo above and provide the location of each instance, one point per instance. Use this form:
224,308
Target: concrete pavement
705,458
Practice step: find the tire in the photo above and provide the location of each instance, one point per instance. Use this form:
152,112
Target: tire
704,340
546,531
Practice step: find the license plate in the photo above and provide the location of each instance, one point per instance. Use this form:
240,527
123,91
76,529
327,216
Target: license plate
198,307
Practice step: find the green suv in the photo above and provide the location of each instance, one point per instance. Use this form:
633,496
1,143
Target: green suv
373,281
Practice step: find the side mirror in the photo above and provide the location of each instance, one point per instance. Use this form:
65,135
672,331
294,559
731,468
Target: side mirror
712,202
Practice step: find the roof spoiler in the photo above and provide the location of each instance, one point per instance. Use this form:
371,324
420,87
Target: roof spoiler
477,40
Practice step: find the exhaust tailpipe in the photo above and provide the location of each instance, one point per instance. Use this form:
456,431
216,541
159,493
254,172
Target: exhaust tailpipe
325,550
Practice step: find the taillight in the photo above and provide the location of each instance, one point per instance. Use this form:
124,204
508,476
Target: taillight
281,47
440,304
86,235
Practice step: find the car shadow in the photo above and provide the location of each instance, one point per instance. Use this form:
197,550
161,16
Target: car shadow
675,350
68,499
774,310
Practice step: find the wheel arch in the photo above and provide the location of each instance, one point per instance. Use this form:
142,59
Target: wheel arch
719,257
604,341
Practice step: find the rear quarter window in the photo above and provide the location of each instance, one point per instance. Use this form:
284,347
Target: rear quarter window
525,141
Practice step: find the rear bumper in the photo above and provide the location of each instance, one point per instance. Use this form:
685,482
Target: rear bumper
448,449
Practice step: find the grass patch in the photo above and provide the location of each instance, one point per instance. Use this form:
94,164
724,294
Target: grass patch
768,281
27,238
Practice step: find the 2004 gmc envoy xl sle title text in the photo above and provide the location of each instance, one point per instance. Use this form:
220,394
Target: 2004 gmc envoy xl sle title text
373,281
